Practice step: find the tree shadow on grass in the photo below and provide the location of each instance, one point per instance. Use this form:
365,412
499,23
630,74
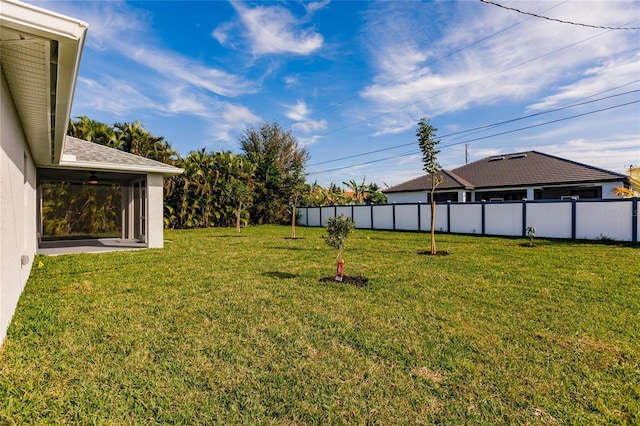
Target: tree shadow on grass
289,248
280,275
347,279
438,253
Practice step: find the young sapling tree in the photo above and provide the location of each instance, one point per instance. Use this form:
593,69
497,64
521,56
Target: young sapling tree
338,229
427,141
240,197
531,234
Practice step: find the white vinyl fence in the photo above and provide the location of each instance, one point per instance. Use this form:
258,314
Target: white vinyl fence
615,219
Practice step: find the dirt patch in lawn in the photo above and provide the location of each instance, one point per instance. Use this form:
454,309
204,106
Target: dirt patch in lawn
357,281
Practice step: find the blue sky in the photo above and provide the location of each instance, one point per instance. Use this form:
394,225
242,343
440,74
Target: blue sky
351,79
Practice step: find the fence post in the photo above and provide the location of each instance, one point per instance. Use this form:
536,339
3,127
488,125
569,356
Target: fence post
483,210
524,217
371,204
393,215
448,216
419,225
573,218
634,219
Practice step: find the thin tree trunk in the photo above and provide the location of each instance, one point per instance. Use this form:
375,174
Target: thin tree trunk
433,225
238,218
293,223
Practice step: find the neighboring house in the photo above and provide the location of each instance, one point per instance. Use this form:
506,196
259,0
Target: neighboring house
532,175
40,54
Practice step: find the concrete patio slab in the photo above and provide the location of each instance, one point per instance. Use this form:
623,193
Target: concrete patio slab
100,245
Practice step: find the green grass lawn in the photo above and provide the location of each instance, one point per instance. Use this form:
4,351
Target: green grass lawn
225,329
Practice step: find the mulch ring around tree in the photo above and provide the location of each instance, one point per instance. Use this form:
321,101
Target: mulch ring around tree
438,253
346,279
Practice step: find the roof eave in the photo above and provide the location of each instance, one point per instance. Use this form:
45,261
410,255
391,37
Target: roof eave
70,36
165,171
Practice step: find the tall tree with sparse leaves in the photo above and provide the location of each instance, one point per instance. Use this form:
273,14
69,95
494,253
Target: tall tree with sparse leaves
428,142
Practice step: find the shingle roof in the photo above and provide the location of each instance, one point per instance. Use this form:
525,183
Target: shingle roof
78,153
513,170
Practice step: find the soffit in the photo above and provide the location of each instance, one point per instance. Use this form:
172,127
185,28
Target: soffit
26,64
40,54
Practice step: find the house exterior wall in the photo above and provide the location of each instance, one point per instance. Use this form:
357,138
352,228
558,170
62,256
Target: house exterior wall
478,195
407,197
608,187
155,211
18,239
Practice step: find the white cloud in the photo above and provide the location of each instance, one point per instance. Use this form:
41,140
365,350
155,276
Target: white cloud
127,32
612,154
454,71
291,80
617,72
309,140
175,66
300,114
314,6
309,126
272,30
112,95
239,115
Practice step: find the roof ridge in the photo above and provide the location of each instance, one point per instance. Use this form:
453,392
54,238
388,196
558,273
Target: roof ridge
459,179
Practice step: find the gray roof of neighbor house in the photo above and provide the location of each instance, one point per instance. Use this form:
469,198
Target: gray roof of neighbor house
512,170
80,154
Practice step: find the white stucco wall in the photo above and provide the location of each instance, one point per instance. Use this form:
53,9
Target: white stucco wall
608,187
17,209
155,211
407,197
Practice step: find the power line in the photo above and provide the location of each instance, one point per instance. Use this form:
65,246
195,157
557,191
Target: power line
413,152
428,64
559,20
488,126
464,85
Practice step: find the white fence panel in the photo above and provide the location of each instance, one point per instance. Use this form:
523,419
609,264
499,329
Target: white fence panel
442,221
590,219
610,219
466,218
344,210
326,213
301,216
383,217
551,220
313,216
362,216
503,219
407,217
441,217
425,217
